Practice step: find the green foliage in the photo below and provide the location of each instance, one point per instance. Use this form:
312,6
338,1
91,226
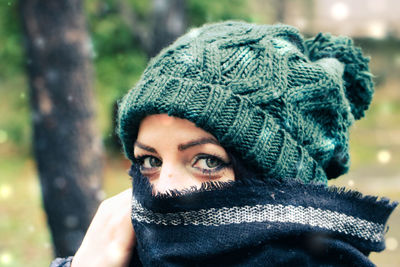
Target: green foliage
11,50
14,109
202,11
118,62
115,74
118,58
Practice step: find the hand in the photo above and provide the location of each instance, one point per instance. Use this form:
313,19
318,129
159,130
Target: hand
110,239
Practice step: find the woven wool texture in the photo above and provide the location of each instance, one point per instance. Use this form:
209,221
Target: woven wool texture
282,103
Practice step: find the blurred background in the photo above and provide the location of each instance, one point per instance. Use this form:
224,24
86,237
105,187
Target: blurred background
64,65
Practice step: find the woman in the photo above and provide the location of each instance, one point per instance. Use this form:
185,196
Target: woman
233,132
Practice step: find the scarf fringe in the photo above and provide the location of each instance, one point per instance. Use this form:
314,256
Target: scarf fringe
332,191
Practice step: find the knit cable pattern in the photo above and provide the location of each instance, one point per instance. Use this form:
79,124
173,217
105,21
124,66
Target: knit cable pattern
260,93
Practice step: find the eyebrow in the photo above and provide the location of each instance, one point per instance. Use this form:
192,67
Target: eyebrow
181,147
201,141
144,147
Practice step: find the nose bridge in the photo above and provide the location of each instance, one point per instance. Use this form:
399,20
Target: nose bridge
168,170
172,176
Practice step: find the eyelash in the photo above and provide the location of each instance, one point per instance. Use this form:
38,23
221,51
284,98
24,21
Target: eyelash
140,160
222,163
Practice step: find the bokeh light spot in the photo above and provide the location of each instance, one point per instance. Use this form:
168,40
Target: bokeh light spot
39,42
5,258
71,221
397,60
5,191
391,243
377,29
384,156
46,245
350,183
3,136
31,228
60,182
101,195
386,109
339,11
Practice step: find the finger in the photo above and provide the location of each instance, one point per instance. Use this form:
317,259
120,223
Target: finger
123,203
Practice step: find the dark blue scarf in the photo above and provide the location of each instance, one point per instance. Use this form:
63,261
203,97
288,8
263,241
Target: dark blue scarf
254,222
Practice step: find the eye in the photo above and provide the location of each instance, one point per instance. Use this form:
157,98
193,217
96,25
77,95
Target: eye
148,162
209,163
212,162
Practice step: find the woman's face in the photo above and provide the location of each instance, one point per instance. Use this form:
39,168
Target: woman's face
175,154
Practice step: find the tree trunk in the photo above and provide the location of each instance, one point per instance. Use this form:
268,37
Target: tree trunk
169,22
166,22
66,146
280,10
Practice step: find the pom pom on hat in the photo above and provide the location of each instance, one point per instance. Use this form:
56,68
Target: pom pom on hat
357,78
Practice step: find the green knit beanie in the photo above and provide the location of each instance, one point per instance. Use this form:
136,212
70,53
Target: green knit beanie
282,103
